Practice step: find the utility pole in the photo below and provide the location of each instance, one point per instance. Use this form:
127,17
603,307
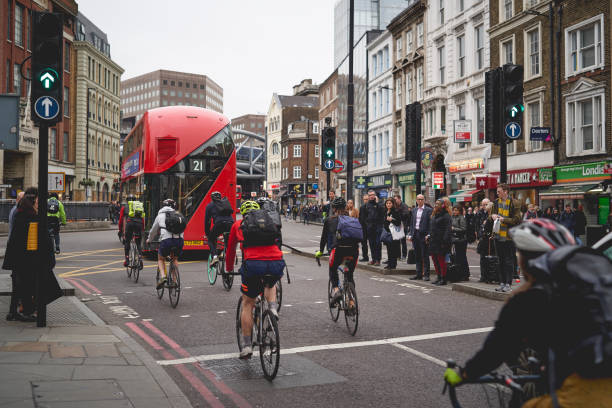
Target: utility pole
557,140
551,51
350,103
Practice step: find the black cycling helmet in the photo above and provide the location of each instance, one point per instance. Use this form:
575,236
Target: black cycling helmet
338,202
540,235
53,195
215,195
168,202
262,200
131,197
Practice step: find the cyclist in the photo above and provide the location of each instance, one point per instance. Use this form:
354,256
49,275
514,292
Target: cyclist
339,248
55,217
261,256
132,224
219,211
167,239
525,322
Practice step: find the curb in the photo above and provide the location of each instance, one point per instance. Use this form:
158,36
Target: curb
67,289
472,290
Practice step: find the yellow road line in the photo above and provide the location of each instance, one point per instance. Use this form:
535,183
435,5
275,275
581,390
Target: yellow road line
73,255
81,272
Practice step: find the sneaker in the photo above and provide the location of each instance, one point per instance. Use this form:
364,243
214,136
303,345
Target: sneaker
377,263
371,263
500,288
364,259
57,251
507,288
246,353
161,283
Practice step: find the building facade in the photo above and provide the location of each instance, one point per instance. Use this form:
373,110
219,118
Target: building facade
250,122
97,115
300,149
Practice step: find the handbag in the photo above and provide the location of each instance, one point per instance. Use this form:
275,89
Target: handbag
397,232
386,237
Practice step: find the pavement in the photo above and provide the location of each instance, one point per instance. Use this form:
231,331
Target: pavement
78,361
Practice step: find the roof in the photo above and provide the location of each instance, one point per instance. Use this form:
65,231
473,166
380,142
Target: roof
299,101
90,33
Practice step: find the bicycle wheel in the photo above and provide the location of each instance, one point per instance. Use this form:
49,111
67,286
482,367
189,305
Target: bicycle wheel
351,311
269,346
212,272
228,280
334,308
239,324
279,294
174,285
160,292
128,268
133,261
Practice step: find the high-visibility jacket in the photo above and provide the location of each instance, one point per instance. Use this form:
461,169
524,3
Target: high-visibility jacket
61,214
135,208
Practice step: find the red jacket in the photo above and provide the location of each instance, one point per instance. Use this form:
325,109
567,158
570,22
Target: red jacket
262,253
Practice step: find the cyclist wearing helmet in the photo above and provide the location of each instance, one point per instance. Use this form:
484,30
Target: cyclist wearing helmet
338,250
167,239
258,260
131,222
220,212
525,322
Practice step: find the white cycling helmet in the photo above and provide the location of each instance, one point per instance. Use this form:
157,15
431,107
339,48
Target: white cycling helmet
540,235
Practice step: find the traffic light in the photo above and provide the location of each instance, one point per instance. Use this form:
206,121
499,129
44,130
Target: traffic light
47,83
412,141
513,100
329,143
493,128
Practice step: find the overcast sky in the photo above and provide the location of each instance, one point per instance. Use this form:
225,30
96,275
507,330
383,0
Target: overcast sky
250,48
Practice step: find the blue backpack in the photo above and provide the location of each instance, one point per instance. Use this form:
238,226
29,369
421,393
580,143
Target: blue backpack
349,229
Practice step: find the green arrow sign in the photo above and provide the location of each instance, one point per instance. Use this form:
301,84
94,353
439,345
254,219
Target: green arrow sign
329,153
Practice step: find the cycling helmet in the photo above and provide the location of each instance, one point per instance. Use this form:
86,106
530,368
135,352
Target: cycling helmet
262,200
248,206
540,235
338,202
168,202
215,195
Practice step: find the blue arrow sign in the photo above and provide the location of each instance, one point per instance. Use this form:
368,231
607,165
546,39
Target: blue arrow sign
315,186
46,107
329,164
513,130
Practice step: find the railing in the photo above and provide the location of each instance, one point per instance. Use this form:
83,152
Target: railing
75,210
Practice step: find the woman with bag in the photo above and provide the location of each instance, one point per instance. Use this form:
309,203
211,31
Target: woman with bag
459,240
392,226
440,239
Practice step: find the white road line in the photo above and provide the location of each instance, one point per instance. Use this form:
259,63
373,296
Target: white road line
186,316
401,294
222,311
288,305
147,320
418,353
315,241
306,349
319,301
129,292
376,296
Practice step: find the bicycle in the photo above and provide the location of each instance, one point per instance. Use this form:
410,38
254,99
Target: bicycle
515,383
265,334
173,282
134,260
347,302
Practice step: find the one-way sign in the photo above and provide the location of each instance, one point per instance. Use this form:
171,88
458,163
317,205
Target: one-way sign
513,130
46,107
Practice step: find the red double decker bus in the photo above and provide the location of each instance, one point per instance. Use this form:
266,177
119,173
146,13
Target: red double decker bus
183,153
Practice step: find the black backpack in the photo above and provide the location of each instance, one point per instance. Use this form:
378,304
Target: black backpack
259,229
175,222
580,292
53,206
270,208
224,207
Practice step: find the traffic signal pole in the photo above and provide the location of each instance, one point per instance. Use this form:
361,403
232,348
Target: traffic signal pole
350,103
43,230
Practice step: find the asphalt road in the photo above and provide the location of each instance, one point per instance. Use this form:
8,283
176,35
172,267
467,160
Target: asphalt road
406,331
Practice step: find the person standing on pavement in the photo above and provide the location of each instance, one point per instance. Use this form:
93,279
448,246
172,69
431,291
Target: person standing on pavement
12,314
362,221
420,227
507,212
374,217
352,211
405,215
567,219
392,217
13,213
55,217
484,227
459,240
530,213
579,224
440,239
470,218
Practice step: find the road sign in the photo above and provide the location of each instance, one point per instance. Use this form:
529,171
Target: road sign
438,180
46,107
57,182
338,167
513,130
540,134
329,164
462,131
315,186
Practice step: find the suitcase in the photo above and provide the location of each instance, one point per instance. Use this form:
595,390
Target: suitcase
491,264
411,257
454,271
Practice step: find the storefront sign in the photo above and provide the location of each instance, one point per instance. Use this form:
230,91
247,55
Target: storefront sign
529,177
462,131
582,172
410,178
540,133
383,180
486,182
360,182
426,159
465,165
438,180
604,210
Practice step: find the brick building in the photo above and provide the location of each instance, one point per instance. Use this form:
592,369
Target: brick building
301,156
251,123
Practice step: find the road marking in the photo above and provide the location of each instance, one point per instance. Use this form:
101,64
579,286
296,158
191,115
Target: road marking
147,320
419,354
129,292
376,296
336,346
319,301
288,305
312,240
222,311
185,315
94,271
401,294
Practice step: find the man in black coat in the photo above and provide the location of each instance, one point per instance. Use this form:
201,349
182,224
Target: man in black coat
362,221
405,215
420,226
374,218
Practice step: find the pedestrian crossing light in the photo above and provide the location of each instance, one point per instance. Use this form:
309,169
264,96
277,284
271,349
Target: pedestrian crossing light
329,143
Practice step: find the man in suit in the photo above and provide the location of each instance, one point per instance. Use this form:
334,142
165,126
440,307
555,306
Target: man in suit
419,234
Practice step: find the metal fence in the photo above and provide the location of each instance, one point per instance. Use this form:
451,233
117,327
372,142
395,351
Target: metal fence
75,210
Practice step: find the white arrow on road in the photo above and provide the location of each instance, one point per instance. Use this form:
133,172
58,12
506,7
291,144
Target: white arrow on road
46,103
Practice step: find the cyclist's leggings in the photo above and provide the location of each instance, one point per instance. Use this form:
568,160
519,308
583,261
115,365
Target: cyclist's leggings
133,228
217,230
335,259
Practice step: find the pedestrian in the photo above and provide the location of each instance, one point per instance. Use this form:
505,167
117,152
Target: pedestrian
548,213
579,224
440,239
362,221
374,218
352,211
530,213
484,233
459,240
506,214
55,216
392,219
420,227
567,219
12,314
405,214
470,219
556,215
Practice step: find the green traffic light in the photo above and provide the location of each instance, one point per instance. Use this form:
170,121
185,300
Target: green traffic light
329,153
515,110
48,78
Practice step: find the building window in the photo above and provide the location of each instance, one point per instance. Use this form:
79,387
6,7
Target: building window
443,119
441,64
274,148
8,21
380,62
420,34
398,93
507,52
479,120
386,57
380,102
180,83
507,9
297,150
441,13
66,56
461,55
431,120
316,172
65,143
533,114
316,150
399,142
460,5
420,83
533,43
584,46
374,105
53,144
297,172
315,127
16,79
585,122
374,64
408,88
478,34
18,24
387,101
398,48
66,101
408,41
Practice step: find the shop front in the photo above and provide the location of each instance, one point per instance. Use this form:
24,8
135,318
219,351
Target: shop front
407,183
302,193
381,184
527,184
463,175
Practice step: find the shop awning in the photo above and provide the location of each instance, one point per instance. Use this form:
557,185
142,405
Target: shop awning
453,197
566,192
467,196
